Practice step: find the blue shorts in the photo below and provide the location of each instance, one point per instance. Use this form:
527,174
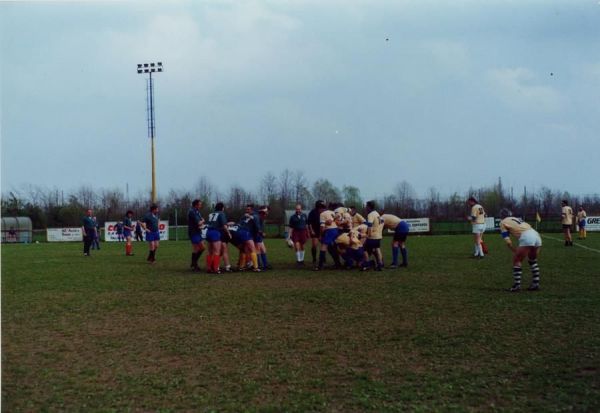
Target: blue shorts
329,236
258,238
195,238
126,233
582,223
152,236
401,231
243,236
213,235
372,244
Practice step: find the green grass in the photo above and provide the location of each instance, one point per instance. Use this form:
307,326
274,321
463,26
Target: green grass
111,333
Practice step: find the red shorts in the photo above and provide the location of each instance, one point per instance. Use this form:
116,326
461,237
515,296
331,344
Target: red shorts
300,235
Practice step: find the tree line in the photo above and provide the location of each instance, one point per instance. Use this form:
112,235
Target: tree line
54,208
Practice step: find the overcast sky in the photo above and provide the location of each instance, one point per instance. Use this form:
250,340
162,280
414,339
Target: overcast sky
445,94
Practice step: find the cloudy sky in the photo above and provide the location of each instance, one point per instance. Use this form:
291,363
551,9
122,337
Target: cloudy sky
445,94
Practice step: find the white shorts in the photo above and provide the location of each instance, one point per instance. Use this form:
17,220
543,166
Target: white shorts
530,238
478,228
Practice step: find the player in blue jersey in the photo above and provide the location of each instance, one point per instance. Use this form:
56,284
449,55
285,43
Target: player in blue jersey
195,225
89,232
150,223
217,227
128,232
261,249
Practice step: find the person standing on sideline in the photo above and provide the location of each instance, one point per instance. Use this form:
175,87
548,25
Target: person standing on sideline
314,229
567,222
128,232
96,240
581,220
89,232
529,246
299,233
261,248
139,231
150,223
195,224
477,219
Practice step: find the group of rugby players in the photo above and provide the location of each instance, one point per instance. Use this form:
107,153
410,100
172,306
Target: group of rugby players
347,236
353,241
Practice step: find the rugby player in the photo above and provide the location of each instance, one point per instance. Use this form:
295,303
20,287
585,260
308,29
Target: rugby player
529,246
477,219
343,219
329,233
350,245
567,222
374,235
581,218
195,224
217,227
298,233
128,232
314,228
261,248
400,228
244,237
357,219
150,223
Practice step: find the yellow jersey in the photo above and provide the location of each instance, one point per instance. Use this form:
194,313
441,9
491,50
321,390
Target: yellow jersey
581,215
513,226
390,221
357,219
567,215
477,214
327,219
349,240
342,217
375,225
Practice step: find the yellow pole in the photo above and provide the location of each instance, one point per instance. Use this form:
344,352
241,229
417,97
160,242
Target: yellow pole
153,174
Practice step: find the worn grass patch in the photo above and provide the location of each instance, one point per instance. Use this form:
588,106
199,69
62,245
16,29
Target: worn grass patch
111,333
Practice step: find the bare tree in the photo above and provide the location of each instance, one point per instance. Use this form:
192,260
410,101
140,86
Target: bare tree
205,190
268,188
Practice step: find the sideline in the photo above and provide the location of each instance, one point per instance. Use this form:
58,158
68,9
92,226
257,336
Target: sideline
575,244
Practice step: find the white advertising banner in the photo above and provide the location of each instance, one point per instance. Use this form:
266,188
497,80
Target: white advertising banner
492,224
417,224
591,224
110,231
64,234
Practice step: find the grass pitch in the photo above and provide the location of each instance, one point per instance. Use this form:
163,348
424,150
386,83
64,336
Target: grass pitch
111,333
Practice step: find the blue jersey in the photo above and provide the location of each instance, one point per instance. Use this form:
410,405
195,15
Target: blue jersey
89,223
151,222
194,219
217,220
248,222
298,222
259,223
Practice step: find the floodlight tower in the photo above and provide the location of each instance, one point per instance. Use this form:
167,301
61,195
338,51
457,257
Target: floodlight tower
151,68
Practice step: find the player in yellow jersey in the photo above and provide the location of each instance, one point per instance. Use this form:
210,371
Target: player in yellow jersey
350,247
343,219
374,235
581,221
329,232
529,246
400,228
357,219
477,219
567,222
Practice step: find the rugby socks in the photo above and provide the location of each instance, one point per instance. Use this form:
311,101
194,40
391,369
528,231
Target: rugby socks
254,259
321,259
216,262
241,260
209,262
335,255
404,253
535,272
517,272
313,251
263,258
302,256
395,251
194,262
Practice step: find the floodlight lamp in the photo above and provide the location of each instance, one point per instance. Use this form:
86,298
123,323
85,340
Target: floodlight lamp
151,64
139,65
145,64
139,71
160,69
159,63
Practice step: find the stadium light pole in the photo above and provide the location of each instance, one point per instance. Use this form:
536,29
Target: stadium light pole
151,68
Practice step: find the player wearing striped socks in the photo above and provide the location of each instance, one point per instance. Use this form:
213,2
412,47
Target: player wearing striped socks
529,246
